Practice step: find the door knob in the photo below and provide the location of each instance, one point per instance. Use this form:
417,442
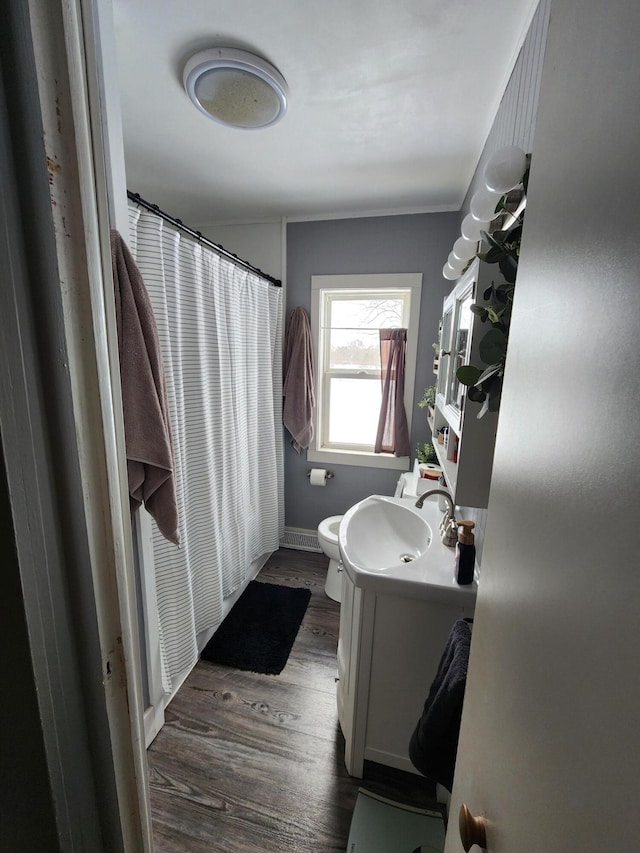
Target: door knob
472,830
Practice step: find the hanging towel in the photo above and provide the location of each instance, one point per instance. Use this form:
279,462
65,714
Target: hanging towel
298,387
434,743
146,422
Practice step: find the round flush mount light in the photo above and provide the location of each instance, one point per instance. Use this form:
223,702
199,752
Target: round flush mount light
236,88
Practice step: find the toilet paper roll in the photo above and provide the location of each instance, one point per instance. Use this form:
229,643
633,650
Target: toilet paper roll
318,477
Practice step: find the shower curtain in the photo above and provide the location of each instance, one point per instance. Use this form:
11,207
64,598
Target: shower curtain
220,330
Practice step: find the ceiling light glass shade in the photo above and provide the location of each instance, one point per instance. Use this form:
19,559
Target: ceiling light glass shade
236,88
471,227
449,273
483,205
464,249
505,169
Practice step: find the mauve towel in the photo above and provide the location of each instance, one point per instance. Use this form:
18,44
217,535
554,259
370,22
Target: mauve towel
146,422
299,380
434,743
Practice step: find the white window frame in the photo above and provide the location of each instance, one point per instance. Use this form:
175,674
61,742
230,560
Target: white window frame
369,283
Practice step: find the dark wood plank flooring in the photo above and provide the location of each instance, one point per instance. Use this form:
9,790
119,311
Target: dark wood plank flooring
249,762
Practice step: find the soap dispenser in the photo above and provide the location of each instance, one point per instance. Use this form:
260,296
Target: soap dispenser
465,553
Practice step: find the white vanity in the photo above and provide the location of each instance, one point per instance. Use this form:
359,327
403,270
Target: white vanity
399,602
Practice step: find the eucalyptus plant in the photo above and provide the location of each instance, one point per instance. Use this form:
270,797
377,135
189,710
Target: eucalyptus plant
485,383
428,398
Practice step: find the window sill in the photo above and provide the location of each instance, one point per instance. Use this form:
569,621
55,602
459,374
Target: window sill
363,459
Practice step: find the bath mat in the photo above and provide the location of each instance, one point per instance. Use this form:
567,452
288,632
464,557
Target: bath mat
379,825
259,631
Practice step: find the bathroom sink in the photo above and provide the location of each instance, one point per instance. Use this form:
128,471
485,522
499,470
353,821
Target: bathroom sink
381,533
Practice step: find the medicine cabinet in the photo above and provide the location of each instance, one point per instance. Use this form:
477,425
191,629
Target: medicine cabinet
463,442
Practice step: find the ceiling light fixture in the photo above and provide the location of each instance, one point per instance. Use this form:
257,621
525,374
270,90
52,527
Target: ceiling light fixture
236,88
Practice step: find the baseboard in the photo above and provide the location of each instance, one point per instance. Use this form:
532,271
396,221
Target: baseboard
299,539
153,722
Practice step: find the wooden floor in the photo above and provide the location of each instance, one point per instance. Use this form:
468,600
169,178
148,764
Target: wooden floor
249,762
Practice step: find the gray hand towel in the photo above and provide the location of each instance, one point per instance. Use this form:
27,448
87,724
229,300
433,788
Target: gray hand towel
146,422
434,742
299,380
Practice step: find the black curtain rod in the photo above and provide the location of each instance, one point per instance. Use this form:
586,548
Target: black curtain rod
135,197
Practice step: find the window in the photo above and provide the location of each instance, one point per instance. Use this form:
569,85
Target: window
347,313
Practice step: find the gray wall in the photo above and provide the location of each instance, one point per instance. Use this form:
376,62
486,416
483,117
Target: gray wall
514,124
412,243
515,121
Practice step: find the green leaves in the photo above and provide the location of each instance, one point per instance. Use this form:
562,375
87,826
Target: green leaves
484,386
476,394
426,454
493,346
480,312
428,398
492,315
468,374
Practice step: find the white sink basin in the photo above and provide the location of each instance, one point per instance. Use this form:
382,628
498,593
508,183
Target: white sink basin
389,546
381,533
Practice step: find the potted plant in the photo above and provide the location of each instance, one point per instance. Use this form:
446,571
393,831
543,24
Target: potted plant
428,470
425,454
429,401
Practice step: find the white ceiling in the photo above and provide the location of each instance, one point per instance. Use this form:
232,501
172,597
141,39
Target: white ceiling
390,102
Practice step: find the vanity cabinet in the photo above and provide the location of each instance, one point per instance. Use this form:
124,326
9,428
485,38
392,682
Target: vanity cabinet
389,650
466,457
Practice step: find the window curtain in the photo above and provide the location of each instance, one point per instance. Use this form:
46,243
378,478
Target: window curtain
393,431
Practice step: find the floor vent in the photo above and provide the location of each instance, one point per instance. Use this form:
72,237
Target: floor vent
300,540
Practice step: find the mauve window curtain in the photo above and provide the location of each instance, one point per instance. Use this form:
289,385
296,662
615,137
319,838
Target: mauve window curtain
393,431
220,330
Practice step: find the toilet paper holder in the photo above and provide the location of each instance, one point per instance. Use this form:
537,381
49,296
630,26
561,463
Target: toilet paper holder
329,474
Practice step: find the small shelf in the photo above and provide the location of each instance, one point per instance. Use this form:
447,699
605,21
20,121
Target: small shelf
446,459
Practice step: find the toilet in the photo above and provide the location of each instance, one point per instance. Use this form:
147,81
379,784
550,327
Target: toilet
328,540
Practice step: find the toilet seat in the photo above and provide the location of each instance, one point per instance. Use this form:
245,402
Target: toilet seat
328,541
328,536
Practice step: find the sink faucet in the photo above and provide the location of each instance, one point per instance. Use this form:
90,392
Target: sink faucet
448,525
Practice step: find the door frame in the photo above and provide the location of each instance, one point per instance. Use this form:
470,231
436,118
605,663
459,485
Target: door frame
62,443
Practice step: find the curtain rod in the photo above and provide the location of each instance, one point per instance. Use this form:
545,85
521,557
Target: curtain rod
135,197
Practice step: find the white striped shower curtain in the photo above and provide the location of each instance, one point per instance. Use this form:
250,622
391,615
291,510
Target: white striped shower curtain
220,329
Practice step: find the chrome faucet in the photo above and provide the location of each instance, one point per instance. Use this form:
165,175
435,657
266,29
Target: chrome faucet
448,525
